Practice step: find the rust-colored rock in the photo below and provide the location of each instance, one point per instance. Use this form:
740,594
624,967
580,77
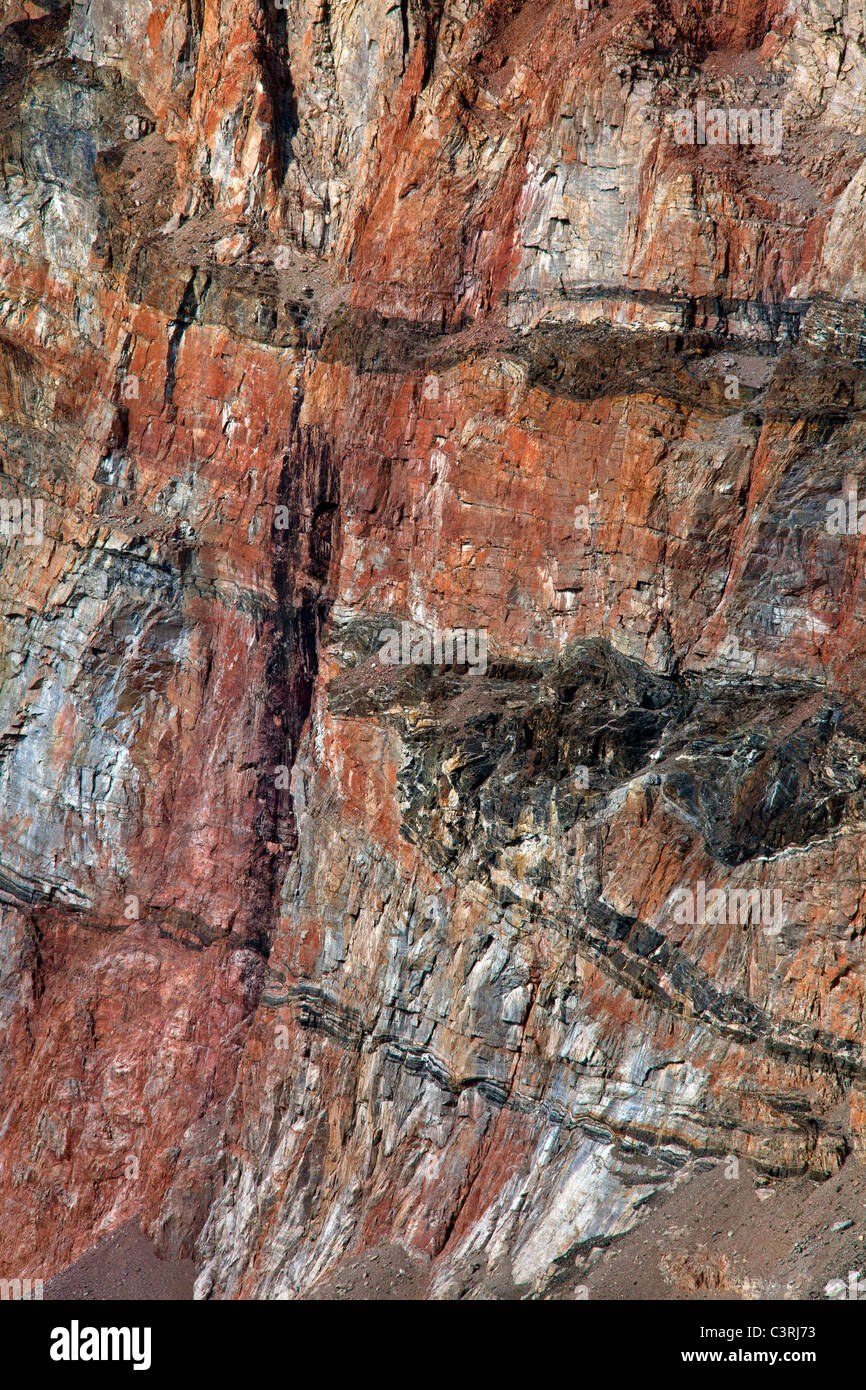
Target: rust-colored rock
322,324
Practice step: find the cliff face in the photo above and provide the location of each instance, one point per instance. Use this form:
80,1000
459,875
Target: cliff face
320,320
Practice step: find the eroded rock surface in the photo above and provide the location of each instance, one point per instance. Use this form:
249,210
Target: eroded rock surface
319,322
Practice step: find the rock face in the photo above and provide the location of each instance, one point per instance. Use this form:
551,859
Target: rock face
328,331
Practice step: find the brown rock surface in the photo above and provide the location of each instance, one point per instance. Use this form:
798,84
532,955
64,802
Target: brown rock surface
319,320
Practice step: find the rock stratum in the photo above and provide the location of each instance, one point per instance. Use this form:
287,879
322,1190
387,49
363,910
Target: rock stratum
321,319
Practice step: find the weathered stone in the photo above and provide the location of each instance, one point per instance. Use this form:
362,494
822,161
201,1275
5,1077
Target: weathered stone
319,321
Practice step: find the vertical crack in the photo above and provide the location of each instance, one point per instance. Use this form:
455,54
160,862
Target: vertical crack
193,297
308,496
